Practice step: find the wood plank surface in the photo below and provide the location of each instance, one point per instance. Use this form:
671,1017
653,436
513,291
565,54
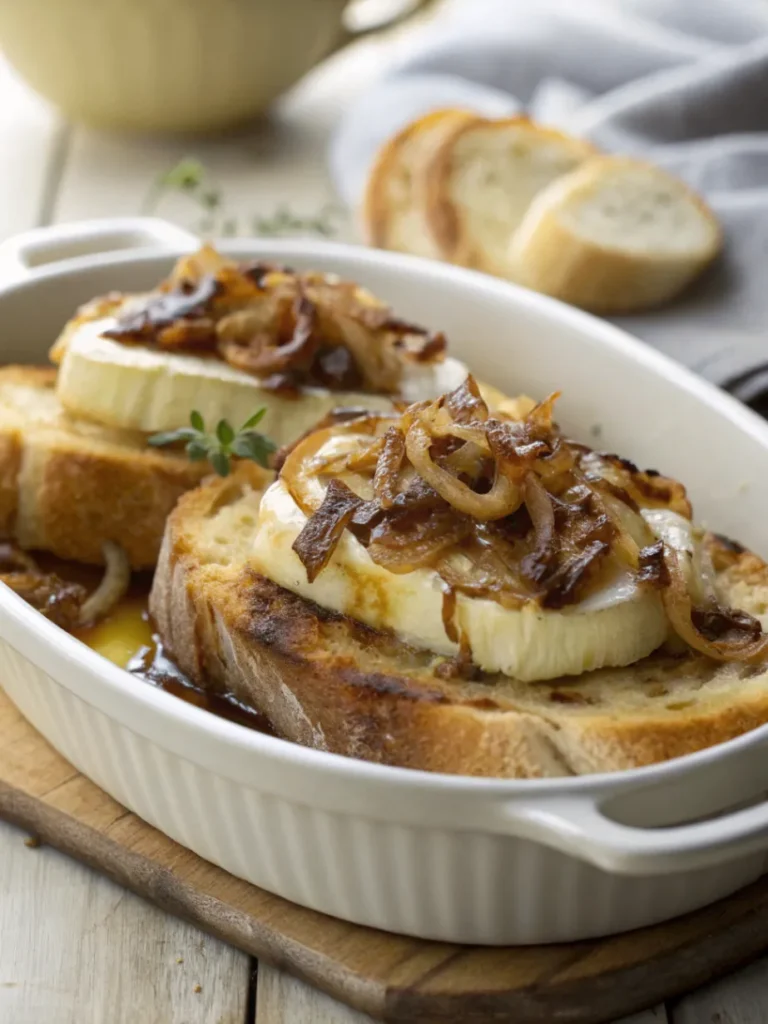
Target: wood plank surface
77,949
282,999
741,998
656,1016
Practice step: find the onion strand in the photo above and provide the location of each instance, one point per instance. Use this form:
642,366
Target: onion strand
113,586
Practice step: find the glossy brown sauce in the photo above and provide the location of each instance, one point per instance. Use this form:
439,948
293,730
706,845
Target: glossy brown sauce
155,667
127,638
449,612
88,576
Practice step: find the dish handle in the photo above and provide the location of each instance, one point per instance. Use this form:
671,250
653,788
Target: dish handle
577,826
601,825
24,253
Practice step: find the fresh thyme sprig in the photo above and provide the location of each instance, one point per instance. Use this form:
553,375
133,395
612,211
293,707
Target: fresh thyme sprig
190,178
220,446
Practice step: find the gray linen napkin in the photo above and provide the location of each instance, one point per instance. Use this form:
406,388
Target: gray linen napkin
681,82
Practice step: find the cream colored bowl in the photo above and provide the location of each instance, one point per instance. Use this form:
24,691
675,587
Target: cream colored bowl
171,65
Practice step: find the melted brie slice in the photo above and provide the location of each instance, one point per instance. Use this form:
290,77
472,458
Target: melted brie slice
144,389
613,627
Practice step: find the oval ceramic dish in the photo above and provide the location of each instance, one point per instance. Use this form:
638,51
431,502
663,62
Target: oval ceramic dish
459,859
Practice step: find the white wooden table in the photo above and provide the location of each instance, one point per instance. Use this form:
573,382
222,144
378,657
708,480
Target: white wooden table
75,948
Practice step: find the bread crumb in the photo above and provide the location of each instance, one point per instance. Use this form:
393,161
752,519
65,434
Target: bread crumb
179,959
197,988
33,842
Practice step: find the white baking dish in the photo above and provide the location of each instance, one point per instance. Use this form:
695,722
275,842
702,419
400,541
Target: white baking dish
465,860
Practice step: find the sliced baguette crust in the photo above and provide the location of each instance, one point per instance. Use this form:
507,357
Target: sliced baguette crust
67,485
611,274
394,204
481,180
325,681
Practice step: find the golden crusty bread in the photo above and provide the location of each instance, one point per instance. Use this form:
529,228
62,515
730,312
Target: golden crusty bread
68,485
614,235
394,205
481,180
326,681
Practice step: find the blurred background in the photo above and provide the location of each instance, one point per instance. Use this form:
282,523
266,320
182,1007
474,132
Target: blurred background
54,166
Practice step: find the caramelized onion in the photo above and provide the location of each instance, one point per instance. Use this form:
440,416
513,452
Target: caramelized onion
263,353
502,499
13,559
652,569
465,460
388,467
442,425
418,495
340,415
303,464
430,347
567,582
193,267
299,471
113,586
364,460
291,330
512,448
188,335
322,531
721,633
418,547
147,320
465,403
539,420
624,520
480,572
556,466
374,353
537,564
57,599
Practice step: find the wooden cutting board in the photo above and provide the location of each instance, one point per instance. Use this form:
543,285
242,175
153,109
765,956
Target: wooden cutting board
390,977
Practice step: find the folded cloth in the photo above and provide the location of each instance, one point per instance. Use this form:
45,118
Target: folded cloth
683,83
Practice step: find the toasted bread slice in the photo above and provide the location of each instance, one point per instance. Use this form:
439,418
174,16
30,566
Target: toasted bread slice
326,681
481,180
394,205
614,235
68,485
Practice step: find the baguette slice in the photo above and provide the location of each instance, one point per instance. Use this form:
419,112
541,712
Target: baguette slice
326,681
615,235
393,212
481,181
68,485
